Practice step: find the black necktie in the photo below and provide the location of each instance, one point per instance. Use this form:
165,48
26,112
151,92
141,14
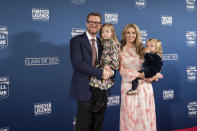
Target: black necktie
94,54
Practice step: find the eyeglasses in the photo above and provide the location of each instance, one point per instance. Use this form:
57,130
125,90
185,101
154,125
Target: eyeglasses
94,22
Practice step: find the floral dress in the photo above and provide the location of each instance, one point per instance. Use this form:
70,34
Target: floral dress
137,112
109,57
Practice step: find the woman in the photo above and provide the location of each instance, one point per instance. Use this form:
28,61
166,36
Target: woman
137,112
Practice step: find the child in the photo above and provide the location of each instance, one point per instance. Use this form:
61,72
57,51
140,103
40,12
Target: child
152,63
109,61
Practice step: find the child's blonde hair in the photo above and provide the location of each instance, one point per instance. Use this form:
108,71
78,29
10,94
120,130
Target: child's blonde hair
158,43
112,29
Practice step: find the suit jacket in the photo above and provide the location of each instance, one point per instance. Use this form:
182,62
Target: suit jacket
81,60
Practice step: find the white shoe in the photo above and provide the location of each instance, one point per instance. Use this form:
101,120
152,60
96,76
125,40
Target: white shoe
131,92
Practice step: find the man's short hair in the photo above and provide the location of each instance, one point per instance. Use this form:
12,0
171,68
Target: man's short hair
94,14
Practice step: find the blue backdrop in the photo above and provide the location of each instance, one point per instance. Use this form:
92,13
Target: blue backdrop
35,68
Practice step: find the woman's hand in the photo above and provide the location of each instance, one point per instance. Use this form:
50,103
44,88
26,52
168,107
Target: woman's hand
149,80
158,76
154,78
141,75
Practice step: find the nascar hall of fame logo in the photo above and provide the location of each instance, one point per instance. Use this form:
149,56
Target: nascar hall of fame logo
143,36
78,2
168,94
111,18
166,20
192,108
113,101
39,14
4,129
170,57
190,5
140,4
190,38
77,31
42,108
41,61
3,37
191,74
4,87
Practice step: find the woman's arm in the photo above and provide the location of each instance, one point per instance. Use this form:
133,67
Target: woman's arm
154,78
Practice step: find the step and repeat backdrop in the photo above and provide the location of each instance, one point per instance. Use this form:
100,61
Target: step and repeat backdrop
35,67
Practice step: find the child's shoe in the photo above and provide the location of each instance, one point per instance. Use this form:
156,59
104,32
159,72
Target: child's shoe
131,92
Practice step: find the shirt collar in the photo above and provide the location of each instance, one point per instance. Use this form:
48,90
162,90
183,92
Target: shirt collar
89,36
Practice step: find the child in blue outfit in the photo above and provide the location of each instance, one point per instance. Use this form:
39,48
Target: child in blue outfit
152,63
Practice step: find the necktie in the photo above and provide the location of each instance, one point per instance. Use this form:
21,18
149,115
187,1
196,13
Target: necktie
94,54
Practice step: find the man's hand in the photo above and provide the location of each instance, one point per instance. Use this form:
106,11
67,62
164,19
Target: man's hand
106,74
111,72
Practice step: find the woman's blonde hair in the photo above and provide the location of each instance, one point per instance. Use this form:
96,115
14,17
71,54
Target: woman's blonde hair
112,29
138,41
158,44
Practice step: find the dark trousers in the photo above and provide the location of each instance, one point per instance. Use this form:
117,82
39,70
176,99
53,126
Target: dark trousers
135,82
87,120
99,97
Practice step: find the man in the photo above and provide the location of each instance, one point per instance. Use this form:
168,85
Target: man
85,53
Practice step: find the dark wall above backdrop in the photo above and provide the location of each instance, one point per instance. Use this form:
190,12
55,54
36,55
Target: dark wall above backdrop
35,68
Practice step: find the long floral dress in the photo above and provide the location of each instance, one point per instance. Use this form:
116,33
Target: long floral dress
137,112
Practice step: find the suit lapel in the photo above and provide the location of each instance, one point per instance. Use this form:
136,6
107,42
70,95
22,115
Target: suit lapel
87,43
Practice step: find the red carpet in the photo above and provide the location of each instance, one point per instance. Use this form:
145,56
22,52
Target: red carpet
188,129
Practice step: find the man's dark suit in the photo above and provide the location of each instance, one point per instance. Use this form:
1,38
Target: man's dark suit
81,59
